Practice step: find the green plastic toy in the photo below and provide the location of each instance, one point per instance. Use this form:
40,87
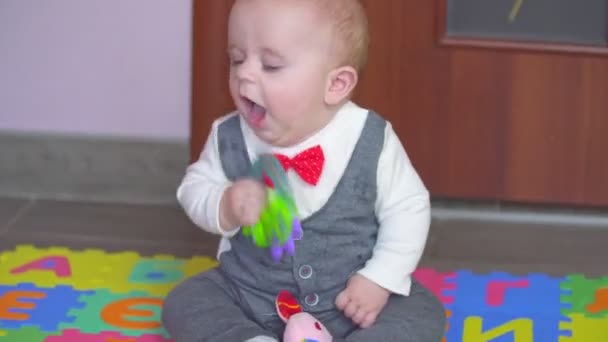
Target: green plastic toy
279,225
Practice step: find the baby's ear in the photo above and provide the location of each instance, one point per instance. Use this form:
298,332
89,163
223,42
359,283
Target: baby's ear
340,83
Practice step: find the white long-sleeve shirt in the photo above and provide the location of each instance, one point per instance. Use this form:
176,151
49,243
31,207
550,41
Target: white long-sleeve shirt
402,206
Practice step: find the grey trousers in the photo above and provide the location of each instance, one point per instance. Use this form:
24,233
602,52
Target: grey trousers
209,308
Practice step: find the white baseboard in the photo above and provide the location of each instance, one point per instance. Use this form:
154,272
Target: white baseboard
527,214
90,168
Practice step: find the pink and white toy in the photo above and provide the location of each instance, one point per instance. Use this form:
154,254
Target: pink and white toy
300,326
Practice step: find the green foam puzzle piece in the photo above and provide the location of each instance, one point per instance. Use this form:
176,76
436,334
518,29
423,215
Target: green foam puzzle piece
168,271
29,334
585,296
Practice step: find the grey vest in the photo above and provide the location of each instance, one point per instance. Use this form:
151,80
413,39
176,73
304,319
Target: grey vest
338,239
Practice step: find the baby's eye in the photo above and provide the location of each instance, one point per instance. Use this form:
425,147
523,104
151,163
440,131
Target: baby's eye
236,61
271,68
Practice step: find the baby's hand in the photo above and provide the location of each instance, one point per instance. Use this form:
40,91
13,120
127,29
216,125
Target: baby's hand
242,204
362,300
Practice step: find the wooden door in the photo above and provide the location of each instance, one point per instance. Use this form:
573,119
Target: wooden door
478,123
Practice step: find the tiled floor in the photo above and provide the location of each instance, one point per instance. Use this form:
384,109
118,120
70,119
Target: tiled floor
148,229
158,229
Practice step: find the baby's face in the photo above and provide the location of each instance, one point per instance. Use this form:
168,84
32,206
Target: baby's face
280,55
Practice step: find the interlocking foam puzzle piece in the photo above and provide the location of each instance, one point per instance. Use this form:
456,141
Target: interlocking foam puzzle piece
29,305
93,269
74,335
131,314
437,283
584,329
25,334
499,298
157,271
585,296
86,270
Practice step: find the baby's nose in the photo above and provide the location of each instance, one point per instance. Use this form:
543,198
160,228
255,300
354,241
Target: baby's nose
246,71
244,89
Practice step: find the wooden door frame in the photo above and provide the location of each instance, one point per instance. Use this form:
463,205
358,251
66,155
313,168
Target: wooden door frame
208,72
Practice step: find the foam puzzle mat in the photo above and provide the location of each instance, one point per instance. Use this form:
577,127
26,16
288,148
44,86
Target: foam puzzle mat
62,295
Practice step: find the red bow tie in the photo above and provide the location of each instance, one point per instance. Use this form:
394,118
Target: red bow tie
308,164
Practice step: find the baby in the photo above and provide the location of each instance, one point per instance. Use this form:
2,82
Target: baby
364,210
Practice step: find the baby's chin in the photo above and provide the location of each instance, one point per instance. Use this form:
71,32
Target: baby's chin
275,137
268,136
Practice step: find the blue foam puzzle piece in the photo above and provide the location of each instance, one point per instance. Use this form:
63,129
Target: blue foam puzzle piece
48,312
539,302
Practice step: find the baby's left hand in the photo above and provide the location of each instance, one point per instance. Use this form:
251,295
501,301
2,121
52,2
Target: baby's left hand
362,300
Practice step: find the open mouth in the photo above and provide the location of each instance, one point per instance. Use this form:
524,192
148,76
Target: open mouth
254,113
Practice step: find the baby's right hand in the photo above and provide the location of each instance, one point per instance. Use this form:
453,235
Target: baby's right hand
242,204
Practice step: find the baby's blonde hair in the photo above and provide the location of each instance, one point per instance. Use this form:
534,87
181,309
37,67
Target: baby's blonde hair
349,20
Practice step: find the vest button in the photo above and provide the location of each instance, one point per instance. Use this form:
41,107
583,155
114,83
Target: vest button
311,299
305,271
